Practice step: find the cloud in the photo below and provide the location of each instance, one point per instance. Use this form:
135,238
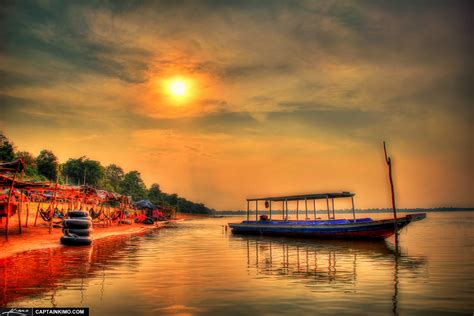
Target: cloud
266,76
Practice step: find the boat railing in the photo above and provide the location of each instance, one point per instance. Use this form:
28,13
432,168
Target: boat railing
306,198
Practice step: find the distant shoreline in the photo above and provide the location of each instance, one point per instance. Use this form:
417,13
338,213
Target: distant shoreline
346,211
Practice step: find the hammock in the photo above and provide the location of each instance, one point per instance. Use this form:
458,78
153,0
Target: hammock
45,215
94,214
116,215
58,213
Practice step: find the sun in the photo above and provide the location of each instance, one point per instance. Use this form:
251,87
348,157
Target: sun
178,88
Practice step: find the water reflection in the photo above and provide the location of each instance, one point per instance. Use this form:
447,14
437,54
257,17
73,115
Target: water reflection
331,266
46,271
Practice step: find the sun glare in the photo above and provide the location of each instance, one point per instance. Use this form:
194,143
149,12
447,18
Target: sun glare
178,88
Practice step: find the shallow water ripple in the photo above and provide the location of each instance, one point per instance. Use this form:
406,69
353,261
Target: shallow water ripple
198,269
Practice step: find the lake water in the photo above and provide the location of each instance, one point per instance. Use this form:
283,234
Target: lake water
198,268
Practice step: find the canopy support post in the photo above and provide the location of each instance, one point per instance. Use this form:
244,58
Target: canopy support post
248,209
27,212
353,209
314,207
327,204
333,214
306,207
283,210
256,210
8,205
286,202
270,210
52,206
297,209
20,209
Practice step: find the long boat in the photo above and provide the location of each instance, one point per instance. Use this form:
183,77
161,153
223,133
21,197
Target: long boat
330,228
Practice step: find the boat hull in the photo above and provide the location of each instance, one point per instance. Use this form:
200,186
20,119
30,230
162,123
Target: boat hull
379,229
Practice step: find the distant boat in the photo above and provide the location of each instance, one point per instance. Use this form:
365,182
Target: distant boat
332,228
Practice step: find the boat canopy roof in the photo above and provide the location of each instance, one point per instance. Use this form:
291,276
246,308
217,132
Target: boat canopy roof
313,196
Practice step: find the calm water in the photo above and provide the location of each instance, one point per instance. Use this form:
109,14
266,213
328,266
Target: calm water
198,268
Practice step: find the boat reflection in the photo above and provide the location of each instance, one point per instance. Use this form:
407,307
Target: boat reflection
48,270
329,265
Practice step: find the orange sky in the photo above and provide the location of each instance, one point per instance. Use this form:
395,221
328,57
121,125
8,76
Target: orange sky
281,99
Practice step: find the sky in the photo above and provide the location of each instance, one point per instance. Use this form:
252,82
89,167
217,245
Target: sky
281,97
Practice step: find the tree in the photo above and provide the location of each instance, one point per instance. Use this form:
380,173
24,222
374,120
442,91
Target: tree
47,164
170,199
6,149
133,185
155,195
83,169
113,177
30,164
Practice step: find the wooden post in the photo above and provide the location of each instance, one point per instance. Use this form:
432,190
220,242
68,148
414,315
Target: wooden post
27,212
388,160
353,209
8,206
37,211
19,211
52,206
248,209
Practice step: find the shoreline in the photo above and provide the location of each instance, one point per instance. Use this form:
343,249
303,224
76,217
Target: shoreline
35,238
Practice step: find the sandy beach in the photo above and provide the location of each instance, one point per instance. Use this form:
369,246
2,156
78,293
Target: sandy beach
38,237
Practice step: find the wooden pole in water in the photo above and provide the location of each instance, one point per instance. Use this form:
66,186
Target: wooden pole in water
388,160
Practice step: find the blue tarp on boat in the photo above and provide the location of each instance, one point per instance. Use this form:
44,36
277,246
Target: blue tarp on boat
327,222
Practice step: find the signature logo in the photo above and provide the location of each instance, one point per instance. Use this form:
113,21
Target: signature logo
16,312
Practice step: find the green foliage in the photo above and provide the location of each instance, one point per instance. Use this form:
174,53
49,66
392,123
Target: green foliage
113,177
80,169
155,194
29,160
133,185
185,206
6,149
47,164
170,199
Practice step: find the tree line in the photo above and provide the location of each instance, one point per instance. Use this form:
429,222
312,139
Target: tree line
84,171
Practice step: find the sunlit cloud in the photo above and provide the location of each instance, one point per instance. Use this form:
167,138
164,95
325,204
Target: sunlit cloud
269,87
